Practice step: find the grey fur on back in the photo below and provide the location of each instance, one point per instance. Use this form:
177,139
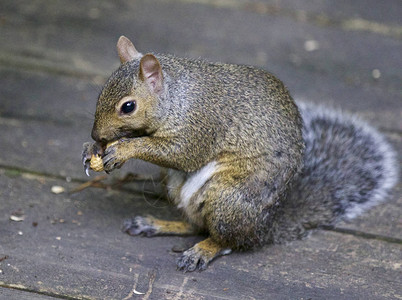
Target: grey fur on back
348,168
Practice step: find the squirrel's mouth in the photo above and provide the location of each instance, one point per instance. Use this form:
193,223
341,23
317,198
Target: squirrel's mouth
129,134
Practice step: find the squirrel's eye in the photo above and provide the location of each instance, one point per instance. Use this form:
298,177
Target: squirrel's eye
127,107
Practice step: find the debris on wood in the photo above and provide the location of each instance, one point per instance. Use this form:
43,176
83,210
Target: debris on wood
311,45
179,248
17,216
17,219
376,73
57,220
56,189
76,222
137,292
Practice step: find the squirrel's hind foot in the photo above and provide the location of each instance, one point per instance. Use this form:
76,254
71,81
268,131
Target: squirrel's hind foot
200,255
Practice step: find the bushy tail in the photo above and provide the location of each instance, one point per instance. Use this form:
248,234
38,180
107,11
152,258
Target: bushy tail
348,167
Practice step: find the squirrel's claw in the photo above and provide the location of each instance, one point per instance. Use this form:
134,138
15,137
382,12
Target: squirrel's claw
87,167
109,162
87,151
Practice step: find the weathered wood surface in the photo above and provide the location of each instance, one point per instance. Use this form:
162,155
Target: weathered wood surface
53,57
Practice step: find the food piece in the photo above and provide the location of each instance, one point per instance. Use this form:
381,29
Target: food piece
96,163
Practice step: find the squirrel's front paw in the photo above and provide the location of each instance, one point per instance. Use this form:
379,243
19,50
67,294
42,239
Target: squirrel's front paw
113,157
140,226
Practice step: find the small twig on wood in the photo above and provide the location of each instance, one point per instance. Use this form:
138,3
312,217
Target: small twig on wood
96,182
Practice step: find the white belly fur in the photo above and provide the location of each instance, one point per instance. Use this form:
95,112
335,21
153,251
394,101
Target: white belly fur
194,182
190,183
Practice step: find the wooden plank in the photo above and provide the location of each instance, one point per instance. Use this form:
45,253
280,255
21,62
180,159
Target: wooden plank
321,13
15,294
71,246
339,72
384,12
48,98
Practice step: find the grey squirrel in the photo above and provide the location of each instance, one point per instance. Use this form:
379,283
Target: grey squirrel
245,164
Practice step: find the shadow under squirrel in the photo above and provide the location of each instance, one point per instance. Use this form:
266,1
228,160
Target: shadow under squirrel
244,162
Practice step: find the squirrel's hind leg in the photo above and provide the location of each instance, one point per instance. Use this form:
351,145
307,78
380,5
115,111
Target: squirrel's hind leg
197,257
150,226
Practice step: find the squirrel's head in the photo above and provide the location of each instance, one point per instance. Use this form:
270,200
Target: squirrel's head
127,105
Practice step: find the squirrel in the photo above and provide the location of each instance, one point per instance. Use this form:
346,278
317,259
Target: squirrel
245,164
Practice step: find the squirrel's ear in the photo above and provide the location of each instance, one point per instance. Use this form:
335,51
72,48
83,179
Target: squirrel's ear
126,50
151,73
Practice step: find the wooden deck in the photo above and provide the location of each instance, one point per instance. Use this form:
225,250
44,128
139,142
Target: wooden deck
54,55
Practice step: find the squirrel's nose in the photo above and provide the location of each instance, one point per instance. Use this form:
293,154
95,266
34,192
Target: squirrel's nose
97,138
95,134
